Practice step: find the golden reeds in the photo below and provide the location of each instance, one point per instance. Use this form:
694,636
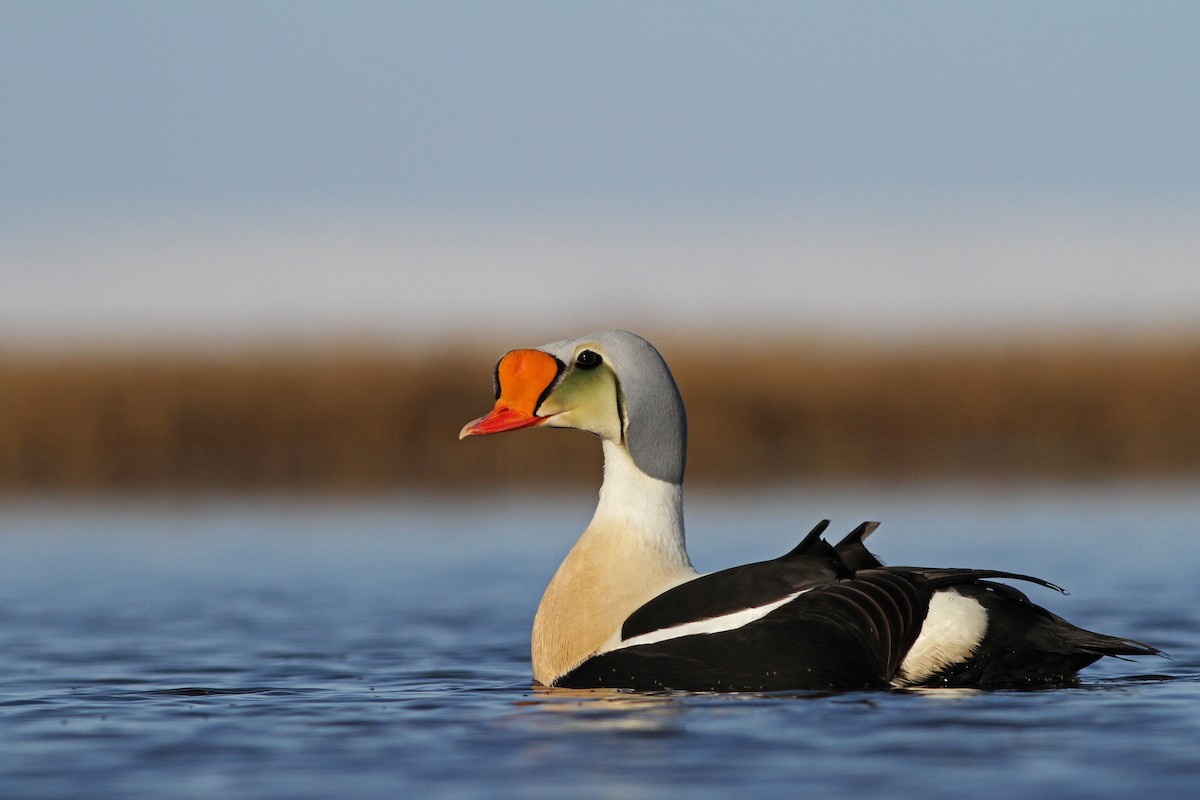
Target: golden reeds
374,420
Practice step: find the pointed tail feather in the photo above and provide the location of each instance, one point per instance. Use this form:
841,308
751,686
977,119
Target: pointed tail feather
1100,644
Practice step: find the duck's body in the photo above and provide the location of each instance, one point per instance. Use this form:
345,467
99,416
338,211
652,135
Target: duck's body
627,610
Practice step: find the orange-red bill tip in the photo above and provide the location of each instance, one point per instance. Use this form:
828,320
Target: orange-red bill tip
500,418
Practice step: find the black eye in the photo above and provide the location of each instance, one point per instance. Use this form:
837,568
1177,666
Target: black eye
588,359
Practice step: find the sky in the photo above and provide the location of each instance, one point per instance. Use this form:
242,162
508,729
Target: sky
424,171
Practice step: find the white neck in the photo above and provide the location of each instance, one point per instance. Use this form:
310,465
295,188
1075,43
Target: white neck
632,551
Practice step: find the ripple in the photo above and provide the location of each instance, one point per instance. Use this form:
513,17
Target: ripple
203,691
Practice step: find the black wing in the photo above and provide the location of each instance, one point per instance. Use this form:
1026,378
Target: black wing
811,563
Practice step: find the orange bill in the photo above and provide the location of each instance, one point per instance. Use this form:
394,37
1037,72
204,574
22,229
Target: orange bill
523,377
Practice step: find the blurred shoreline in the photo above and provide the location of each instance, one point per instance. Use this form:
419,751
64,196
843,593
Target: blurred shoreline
763,411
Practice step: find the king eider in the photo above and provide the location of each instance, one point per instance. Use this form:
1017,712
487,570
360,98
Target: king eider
626,609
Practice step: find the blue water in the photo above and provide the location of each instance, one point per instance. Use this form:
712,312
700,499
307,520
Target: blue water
292,648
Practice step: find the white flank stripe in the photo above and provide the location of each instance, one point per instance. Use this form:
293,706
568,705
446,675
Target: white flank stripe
726,622
954,626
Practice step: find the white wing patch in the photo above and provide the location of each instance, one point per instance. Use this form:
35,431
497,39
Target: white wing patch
725,622
953,628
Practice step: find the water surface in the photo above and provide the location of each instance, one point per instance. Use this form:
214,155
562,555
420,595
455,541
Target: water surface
293,648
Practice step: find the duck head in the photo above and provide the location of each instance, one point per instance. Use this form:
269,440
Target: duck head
613,384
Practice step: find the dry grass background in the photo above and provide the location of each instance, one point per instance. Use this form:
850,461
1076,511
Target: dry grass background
372,419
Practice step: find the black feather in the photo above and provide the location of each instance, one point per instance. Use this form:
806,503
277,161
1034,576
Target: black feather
853,552
811,545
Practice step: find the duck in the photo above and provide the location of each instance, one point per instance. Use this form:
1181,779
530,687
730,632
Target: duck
626,609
